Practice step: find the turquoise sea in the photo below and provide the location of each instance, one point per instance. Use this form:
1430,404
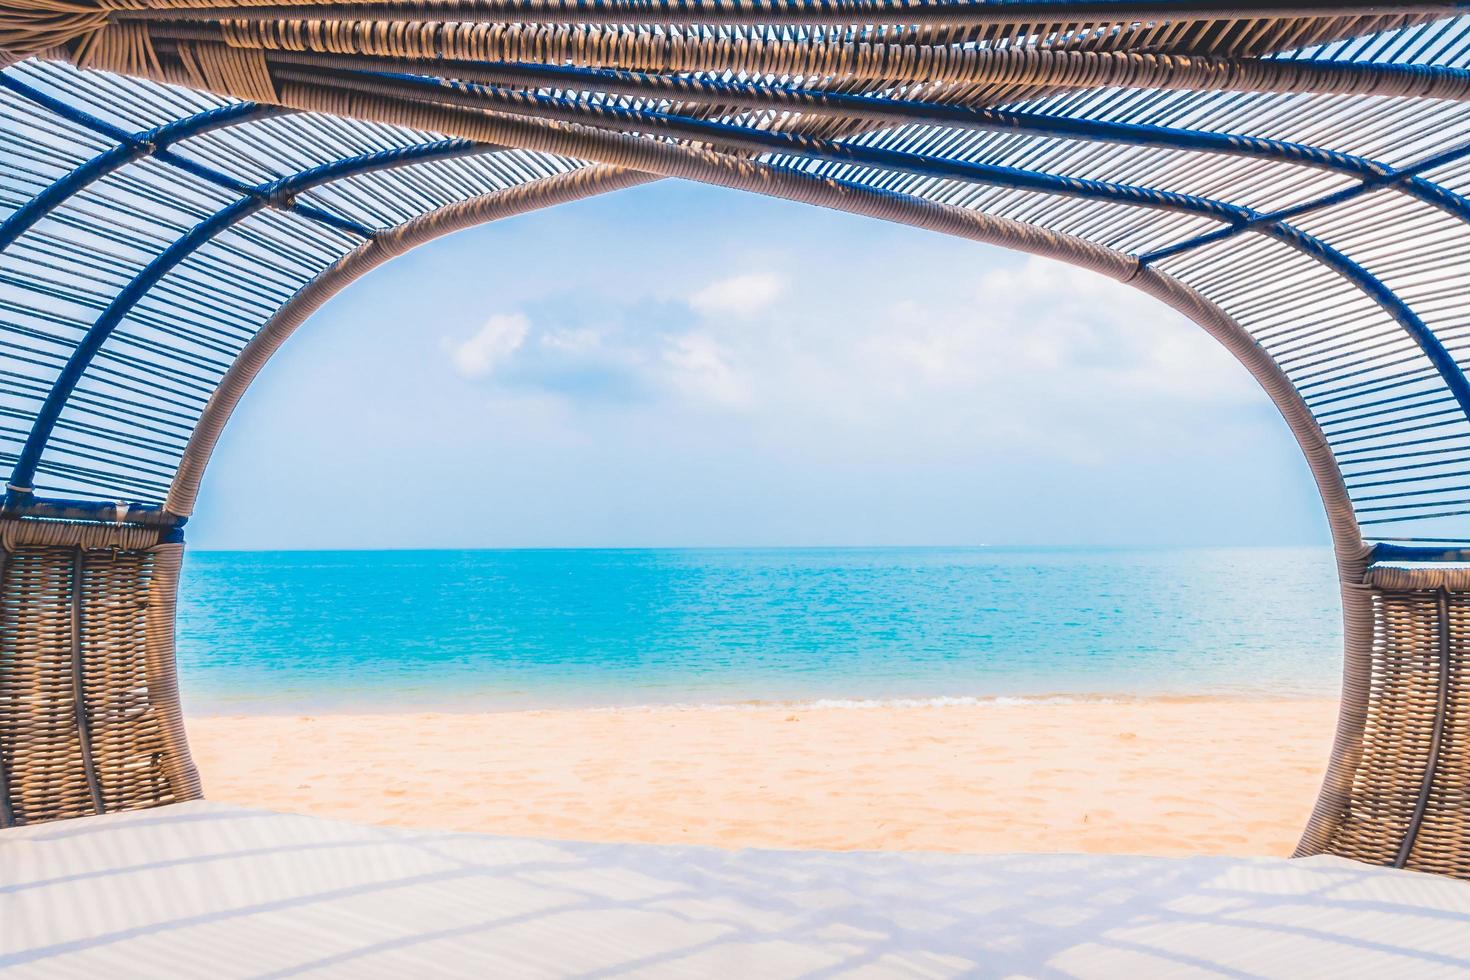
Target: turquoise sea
466,630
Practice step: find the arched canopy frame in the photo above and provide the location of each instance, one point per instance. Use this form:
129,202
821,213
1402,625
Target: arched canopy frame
191,180
912,135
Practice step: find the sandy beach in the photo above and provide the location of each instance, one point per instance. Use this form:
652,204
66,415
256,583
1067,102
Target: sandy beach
1151,777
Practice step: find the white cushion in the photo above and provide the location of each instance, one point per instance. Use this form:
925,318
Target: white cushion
207,890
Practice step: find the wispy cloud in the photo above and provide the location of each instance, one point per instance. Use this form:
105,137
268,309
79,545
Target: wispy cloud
1035,325
743,295
495,342
700,368
1020,352
605,361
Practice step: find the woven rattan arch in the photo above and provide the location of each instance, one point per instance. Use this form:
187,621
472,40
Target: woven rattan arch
1291,177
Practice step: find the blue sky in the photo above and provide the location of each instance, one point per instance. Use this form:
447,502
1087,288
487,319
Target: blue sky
677,365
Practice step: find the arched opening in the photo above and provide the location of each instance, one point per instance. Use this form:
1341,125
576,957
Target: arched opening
565,754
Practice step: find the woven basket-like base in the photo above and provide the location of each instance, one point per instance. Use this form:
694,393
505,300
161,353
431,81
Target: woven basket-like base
1410,801
89,715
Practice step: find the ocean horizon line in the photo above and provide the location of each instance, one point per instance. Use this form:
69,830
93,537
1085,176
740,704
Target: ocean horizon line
738,548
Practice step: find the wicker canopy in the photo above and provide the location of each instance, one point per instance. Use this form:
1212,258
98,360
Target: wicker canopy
186,181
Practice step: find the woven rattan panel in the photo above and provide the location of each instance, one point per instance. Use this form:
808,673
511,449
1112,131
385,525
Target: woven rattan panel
1443,841
1410,803
78,733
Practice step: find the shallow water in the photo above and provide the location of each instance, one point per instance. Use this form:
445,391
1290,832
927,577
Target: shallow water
463,630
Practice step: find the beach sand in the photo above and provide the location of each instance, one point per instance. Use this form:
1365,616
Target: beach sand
1147,777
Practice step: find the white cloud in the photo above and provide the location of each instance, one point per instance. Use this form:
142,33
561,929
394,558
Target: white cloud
572,342
1045,326
500,337
1000,356
701,369
738,295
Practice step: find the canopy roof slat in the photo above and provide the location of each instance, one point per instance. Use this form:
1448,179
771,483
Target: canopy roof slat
1306,166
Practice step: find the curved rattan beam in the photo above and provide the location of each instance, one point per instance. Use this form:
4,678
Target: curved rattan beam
161,671
1371,174
19,488
751,139
116,34
887,109
1021,70
620,120
809,13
